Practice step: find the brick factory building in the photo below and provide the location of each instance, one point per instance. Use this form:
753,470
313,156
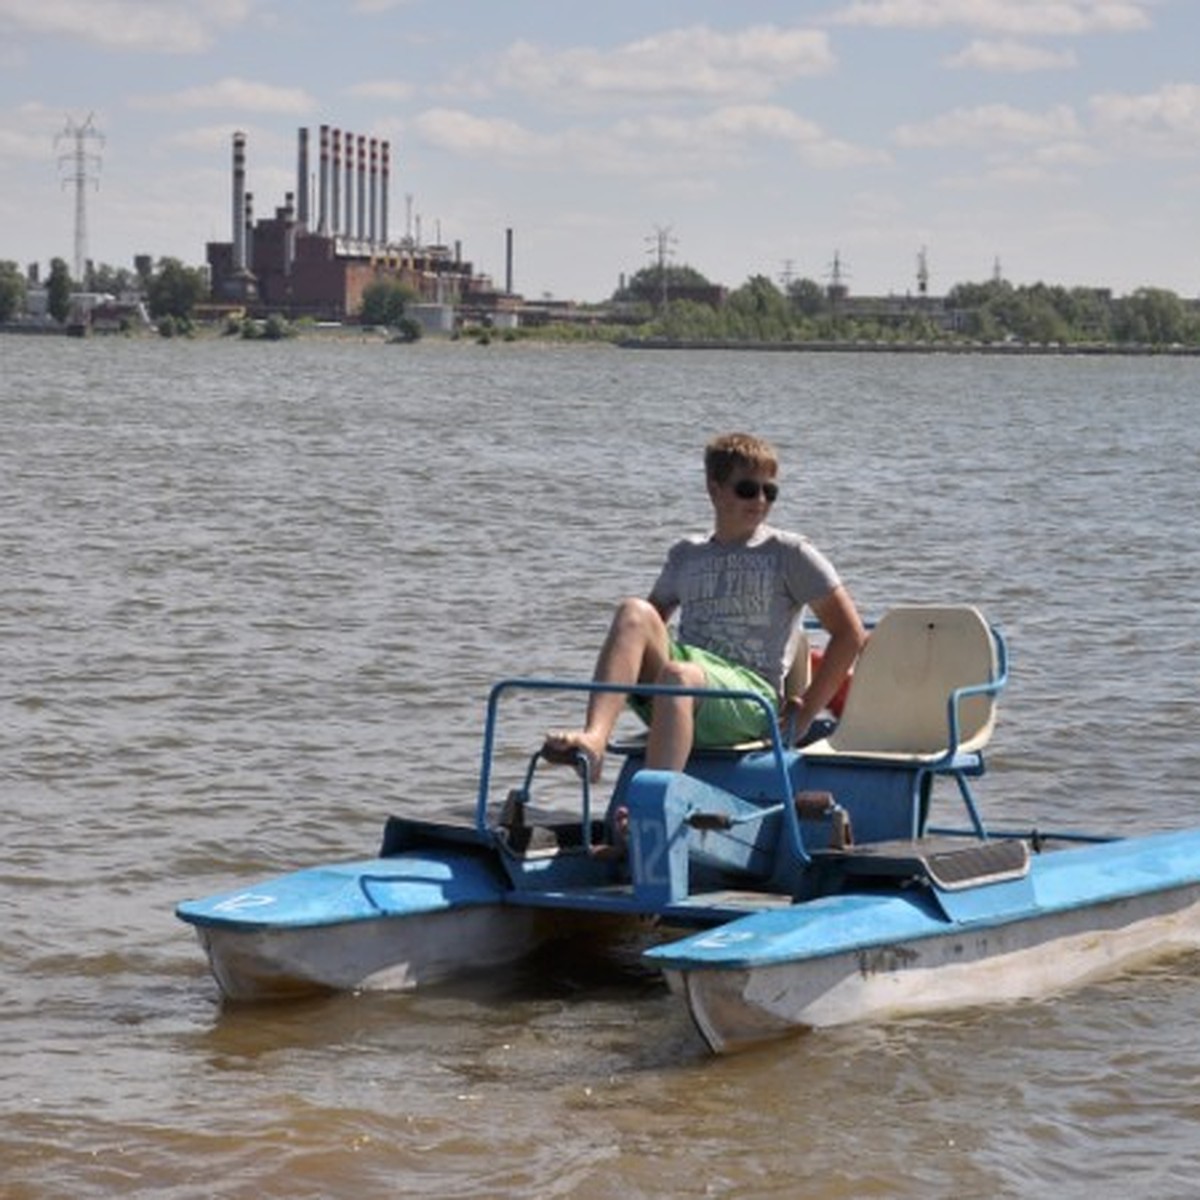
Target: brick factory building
317,255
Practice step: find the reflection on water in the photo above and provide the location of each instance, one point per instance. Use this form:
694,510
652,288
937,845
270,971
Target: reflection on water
255,596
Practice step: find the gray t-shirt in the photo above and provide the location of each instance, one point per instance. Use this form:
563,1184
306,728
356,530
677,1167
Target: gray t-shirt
743,601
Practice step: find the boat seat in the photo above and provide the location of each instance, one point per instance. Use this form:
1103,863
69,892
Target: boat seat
924,696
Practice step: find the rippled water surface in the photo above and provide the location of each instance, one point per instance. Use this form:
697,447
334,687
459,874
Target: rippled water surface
254,596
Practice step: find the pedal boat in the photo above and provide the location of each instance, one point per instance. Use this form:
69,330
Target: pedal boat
776,889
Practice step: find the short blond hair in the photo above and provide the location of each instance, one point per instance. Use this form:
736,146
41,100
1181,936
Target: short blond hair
730,450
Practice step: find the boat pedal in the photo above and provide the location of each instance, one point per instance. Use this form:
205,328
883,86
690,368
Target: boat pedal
949,864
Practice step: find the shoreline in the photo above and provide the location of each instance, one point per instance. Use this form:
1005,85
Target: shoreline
376,336
1099,349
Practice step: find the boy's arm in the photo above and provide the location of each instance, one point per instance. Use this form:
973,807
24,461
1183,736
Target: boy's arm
837,613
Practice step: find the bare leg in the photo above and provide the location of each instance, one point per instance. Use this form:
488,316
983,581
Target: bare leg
635,651
672,727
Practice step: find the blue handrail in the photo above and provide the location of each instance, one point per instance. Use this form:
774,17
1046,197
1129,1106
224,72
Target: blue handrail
958,695
791,819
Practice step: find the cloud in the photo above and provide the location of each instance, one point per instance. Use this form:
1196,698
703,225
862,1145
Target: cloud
382,89
1166,120
653,144
210,138
245,95
733,130
31,131
16,144
1010,56
1010,17
464,133
696,61
989,124
148,26
1067,154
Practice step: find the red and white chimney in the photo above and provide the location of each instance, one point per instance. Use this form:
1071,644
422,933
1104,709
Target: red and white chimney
239,202
362,187
336,203
385,154
323,185
373,222
348,218
302,179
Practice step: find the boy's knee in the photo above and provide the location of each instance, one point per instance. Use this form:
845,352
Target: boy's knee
635,606
682,674
638,613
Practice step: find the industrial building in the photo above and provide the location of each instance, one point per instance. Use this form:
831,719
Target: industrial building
331,239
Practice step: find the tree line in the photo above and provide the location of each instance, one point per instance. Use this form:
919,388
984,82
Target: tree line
681,307
169,288
678,303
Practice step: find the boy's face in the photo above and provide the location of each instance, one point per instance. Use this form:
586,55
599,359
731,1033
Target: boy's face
743,501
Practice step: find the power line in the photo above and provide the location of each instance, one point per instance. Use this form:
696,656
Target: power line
662,248
79,163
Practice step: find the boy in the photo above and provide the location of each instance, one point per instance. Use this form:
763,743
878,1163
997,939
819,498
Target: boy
739,592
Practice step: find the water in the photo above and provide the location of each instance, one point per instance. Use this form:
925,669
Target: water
253,598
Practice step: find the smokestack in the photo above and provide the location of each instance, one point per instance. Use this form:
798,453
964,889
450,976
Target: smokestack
373,223
302,178
384,171
239,202
362,187
336,209
323,185
289,232
508,261
348,220
249,235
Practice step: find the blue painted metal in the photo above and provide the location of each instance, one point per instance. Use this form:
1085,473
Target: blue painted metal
1059,882
960,765
778,757
704,845
407,885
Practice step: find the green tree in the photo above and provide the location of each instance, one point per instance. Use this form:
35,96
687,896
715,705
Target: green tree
385,302
408,329
58,290
1152,316
647,286
759,311
114,280
12,291
688,321
807,297
175,290
276,328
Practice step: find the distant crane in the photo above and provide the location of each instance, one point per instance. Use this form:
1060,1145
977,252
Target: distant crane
79,163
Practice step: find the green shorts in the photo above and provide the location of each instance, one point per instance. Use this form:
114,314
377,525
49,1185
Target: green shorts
721,720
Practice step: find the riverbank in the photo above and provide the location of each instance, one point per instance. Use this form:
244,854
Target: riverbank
860,347
551,336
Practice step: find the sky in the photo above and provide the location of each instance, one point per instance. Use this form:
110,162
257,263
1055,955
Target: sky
1044,140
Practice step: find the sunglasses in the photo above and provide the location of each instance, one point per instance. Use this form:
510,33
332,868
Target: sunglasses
748,489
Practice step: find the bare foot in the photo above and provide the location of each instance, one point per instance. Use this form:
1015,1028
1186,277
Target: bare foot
620,843
565,746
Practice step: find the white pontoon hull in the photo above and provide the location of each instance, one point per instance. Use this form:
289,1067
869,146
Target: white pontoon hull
1027,959
384,954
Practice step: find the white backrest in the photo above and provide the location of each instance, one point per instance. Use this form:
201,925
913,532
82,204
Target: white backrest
915,657
799,674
